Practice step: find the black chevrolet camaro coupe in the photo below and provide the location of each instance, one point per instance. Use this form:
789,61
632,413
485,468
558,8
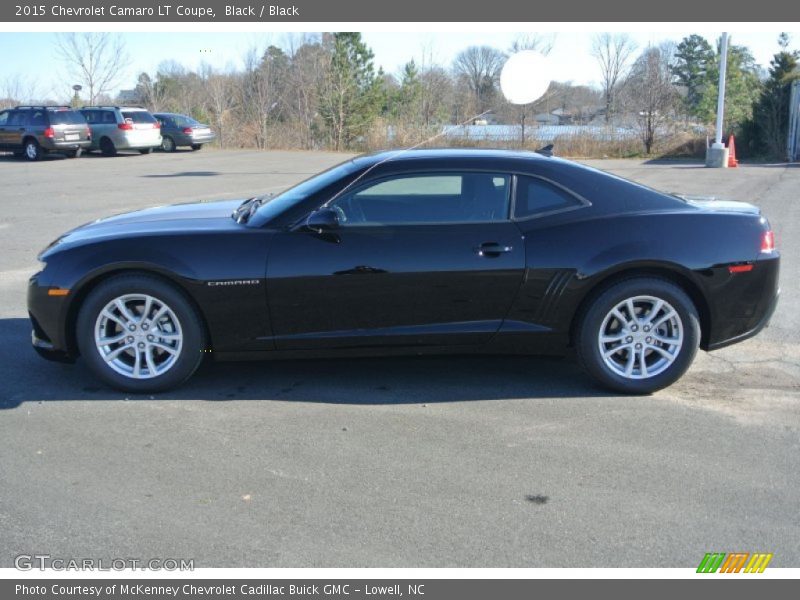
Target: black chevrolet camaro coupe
417,252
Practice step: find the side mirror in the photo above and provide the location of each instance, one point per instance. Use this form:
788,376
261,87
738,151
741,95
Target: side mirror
323,219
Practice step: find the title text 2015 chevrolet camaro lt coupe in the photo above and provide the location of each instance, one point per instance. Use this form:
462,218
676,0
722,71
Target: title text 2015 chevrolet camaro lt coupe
418,252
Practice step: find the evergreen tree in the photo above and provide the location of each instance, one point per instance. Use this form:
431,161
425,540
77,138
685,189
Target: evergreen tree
351,94
742,88
694,56
771,111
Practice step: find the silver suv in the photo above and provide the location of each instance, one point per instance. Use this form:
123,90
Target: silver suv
122,128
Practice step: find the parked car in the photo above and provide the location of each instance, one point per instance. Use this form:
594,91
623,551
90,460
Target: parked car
182,130
33,131
420,252
122,128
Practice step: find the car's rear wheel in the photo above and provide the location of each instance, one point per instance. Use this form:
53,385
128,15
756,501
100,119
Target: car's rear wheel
145,150
107,147
167,144
140,334
33,151
639,335
197,147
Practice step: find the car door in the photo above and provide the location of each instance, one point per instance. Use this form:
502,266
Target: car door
418,259
4,125
15,128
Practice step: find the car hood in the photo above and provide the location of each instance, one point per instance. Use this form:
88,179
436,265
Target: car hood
170,219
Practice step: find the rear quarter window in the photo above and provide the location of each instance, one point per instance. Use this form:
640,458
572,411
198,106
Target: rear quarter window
537,196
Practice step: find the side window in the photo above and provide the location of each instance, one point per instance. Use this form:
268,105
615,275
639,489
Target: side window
37,118
90,116
109,118
535,196
427,198
4,118
18,118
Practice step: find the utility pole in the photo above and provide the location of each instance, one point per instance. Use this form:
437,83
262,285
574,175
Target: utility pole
717,154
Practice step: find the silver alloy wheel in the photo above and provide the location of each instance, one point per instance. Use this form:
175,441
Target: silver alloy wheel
640,337
31,150
138,336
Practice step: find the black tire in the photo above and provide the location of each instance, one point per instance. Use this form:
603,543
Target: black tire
196,147
587,341
107,147
146,150
32,150
189,356
168,144
74,153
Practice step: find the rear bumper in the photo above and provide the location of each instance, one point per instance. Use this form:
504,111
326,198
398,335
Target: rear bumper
741,304
190,140
762,324
61,146
139,142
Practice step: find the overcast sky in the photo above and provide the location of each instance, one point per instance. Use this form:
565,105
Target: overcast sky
570,56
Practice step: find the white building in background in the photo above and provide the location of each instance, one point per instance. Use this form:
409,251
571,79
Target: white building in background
794,123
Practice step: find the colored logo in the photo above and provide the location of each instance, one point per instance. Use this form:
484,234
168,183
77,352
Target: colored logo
735,562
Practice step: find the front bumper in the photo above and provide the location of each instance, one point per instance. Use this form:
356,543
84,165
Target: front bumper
48,315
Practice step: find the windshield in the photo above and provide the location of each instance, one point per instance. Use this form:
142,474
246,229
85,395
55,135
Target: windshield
273,206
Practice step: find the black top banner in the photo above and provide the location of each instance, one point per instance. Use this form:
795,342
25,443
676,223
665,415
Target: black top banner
209,11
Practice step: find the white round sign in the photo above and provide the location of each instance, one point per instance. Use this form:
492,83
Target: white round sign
525,77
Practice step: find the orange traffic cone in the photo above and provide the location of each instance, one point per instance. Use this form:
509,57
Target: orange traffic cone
732,162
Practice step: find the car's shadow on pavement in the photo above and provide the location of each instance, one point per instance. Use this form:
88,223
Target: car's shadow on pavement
25,377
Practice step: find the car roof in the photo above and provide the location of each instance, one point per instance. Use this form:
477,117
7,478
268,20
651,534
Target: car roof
453,157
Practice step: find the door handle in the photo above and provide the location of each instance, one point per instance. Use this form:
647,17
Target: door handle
492,249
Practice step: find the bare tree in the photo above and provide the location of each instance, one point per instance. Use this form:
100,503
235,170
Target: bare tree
479,67
96,60
308,63
260,91
16,89
613,52
218,90
650,93
533,41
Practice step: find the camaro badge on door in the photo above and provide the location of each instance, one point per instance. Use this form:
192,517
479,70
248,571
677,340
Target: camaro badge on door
233,282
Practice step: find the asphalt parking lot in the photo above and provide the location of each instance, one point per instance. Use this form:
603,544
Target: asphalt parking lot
418,462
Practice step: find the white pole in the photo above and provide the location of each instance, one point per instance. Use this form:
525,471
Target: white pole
723,65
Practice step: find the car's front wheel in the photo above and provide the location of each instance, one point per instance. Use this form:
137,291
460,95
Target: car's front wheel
639,335
140,334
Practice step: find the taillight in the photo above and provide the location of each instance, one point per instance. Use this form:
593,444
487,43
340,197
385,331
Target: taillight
125,126
768,242
156,125
188,130
49,132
